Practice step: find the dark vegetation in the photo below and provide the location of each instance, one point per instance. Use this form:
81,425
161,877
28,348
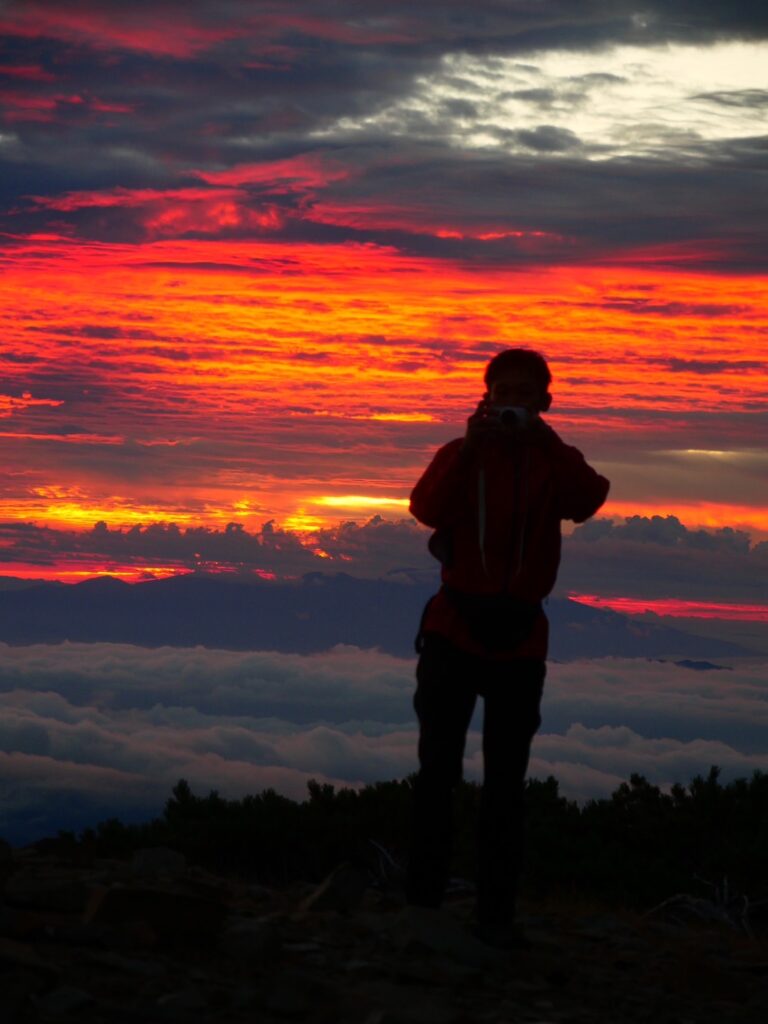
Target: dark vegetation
634,848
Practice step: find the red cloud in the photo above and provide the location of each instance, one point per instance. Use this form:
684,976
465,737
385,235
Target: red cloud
210,217
176,211
127,197
182,29
169,33
22,107
292,174
420,218
28,72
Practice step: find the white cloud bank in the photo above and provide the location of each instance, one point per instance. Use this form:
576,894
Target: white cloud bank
93,731
623,101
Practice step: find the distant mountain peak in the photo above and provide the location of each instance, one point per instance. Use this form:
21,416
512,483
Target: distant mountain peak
103,583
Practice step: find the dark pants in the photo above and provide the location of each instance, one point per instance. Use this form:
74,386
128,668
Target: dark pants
449,683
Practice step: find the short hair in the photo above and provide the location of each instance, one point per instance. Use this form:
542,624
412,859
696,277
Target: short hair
525,359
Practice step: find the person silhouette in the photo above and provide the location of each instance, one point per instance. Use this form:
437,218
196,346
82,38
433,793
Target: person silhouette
495,500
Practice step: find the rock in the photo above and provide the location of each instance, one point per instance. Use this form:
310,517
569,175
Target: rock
16,923
412,969
601,927
154,861
358,965
25,977
131,957
299,994
75,933
259,892
175,918
253,940
302,947
415,1013
189,1002
7,864
61,1002
287,1001
45,926
126,965
15,956
443,934
342,890
33,890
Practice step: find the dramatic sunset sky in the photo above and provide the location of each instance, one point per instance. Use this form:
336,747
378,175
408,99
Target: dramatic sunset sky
255,256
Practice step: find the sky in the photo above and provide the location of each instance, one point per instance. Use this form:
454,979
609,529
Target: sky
255,257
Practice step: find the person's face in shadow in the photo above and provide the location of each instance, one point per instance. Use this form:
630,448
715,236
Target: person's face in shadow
519,388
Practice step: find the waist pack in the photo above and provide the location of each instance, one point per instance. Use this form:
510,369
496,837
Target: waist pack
497,622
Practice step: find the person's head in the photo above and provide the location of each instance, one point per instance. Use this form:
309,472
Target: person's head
519,376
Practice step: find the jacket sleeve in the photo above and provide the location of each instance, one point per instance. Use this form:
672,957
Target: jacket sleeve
580,490
439,495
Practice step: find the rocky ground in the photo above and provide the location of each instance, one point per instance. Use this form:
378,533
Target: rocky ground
155,940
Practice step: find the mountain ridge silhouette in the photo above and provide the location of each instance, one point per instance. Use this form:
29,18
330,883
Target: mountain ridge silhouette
312,614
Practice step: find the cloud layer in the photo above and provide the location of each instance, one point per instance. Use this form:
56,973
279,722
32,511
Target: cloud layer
91,731
647,557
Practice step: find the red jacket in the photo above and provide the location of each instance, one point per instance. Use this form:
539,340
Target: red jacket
497,515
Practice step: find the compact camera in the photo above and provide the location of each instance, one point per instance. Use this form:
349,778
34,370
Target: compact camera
510,417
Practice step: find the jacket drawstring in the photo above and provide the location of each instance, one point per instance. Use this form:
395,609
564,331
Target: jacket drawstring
524,483
523,504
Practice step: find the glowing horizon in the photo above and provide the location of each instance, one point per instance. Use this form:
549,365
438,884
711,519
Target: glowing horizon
677,608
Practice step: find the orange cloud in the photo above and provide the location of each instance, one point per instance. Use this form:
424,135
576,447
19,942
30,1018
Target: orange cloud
10,404
217,381
708,514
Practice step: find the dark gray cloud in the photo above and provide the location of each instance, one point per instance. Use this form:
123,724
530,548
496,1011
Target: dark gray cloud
209,26
657,556
640,453
650,307
144,98
708,366
374,548
541,97
644,557
548,138
737,97
665,530
579,209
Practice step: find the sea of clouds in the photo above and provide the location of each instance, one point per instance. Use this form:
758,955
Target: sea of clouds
91,731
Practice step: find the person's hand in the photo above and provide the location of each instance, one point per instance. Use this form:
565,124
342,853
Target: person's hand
479,428
542,433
